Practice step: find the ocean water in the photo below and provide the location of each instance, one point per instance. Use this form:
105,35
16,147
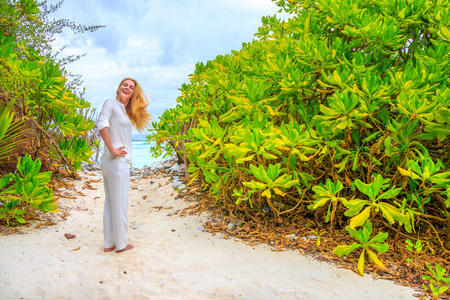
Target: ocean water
141,151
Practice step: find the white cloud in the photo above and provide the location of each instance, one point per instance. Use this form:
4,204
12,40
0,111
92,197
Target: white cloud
158,42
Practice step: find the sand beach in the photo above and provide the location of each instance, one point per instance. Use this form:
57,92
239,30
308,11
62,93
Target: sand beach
173,259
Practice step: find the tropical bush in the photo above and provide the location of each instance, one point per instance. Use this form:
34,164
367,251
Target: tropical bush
43,100
27,190
343,107
42,116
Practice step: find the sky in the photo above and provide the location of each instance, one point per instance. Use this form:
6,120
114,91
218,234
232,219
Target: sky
156,42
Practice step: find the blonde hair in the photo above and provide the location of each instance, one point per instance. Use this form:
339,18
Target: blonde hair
137,107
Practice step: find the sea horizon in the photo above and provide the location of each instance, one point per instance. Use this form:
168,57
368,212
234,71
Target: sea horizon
141,151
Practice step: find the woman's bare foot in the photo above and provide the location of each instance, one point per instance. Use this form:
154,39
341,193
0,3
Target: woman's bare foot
128,247
109,249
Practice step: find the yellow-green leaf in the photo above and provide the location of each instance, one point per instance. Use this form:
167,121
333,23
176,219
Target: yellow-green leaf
374,258
267,194
360,218
278,192
320,203
244,159
360,267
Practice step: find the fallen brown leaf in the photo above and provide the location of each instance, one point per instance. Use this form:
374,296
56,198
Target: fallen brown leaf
89,187
69,236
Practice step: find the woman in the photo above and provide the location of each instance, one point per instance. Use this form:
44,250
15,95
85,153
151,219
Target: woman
115,123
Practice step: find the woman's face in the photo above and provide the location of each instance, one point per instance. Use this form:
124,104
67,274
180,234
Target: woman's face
126,90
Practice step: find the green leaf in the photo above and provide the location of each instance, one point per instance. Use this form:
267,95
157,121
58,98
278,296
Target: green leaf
328,216
363,187
371,137
4,181
354,206
379,238
20,219
380,248
356,234
392,193
210,176
289,184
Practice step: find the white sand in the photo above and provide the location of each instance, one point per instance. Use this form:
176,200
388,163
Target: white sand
173,259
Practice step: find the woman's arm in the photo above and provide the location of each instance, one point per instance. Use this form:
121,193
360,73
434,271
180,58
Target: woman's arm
103,124
104,133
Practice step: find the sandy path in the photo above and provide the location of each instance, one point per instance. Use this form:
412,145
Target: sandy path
173,259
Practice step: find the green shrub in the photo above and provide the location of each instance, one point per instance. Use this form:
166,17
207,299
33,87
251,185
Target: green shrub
346,100
43,99
26,190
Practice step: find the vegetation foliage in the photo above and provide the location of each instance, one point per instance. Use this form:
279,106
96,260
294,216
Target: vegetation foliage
41,115
339,114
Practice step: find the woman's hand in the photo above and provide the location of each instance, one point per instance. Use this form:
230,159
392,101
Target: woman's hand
104,133
119,152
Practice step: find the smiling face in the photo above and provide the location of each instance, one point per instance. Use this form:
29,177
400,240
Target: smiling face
125,91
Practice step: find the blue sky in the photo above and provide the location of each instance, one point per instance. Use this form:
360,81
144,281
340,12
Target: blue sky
157,42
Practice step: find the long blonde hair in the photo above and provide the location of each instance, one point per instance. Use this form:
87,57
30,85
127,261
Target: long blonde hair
137,107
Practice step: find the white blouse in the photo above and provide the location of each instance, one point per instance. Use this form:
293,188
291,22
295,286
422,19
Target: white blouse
114,116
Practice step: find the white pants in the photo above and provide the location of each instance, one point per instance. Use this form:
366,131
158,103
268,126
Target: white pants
116,179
